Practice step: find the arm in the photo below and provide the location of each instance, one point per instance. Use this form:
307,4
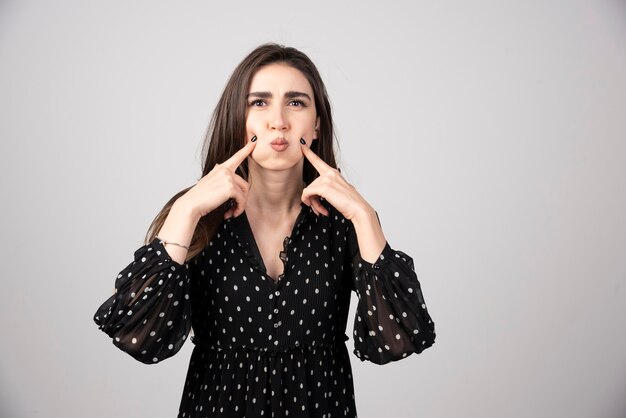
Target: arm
212,190
149,316
371,239
331,186
179,227
391,320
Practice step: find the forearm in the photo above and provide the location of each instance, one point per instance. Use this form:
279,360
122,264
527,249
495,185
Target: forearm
369,234
179,227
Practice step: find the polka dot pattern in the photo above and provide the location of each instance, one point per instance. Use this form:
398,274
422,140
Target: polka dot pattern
265,347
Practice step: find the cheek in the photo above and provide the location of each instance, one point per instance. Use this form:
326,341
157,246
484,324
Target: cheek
251,124
255,120
257,154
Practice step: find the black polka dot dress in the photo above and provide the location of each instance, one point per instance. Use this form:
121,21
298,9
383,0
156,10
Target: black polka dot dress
266,348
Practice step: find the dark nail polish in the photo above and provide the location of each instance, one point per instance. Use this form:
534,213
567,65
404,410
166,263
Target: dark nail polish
302,141
253,139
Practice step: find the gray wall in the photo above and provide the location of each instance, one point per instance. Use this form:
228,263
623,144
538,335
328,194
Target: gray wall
489,135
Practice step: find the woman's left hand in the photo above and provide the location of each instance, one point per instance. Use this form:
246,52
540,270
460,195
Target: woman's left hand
331,186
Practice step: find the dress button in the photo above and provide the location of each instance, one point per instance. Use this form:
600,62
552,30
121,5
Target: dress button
277,293
275,310
276,325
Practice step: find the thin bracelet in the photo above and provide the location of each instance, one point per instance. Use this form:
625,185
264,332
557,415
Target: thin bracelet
172,243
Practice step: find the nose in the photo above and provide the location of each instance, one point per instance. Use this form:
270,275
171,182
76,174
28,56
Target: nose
277,120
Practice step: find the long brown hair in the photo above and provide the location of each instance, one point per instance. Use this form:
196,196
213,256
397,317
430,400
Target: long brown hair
226,132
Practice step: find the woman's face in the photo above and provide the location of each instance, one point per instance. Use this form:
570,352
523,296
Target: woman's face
280,111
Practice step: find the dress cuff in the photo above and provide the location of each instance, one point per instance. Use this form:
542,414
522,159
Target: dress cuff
380,262
157,246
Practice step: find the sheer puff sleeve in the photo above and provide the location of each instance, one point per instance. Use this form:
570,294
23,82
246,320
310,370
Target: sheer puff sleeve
391,320
149,316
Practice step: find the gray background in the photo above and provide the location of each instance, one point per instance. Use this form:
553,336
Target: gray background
489,135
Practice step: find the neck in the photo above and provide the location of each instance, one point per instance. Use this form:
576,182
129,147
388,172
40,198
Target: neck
274,192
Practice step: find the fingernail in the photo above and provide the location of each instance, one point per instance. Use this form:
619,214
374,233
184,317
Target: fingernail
253,139
302,141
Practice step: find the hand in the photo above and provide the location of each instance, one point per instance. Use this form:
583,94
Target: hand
220,185
343,196
331,186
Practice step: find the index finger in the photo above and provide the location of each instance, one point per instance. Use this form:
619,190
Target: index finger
237,158
315,160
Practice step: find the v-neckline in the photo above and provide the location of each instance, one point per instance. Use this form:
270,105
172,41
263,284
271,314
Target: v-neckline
248,235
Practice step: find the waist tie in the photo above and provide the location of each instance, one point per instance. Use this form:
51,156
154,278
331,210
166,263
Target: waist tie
310,346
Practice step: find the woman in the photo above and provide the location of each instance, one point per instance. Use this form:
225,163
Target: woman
260,257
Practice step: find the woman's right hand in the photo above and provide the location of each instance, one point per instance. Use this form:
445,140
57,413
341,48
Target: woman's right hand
220,185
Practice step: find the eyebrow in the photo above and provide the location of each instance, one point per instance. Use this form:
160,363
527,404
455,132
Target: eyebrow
268,95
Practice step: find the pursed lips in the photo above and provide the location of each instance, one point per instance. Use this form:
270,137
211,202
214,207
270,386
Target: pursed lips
279,141
279,144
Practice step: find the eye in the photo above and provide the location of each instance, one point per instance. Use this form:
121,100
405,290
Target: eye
257,103
297,103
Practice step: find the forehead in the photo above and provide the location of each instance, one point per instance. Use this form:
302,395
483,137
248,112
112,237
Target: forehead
280,78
